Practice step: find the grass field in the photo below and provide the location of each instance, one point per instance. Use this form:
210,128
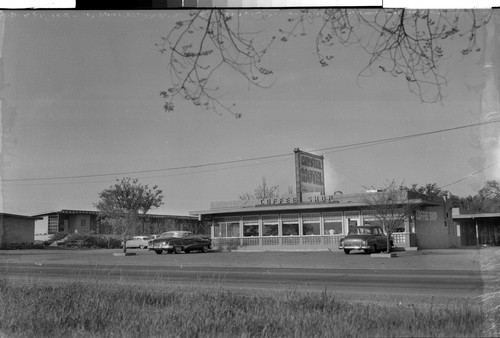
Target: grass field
95,309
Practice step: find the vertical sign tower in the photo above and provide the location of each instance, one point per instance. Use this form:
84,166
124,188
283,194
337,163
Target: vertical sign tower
309,174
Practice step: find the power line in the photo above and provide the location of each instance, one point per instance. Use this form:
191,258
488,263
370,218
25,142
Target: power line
154,176
323,150
470,175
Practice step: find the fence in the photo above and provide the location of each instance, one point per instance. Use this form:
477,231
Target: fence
292,243
276,243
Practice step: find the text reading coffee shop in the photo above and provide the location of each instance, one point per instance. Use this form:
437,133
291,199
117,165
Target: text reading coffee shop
312,220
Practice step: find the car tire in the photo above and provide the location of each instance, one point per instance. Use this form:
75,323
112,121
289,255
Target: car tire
346,251
373,249
159,252
186,251
204,249
178,249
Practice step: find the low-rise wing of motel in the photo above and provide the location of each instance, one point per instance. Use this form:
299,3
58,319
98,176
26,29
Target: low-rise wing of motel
87,221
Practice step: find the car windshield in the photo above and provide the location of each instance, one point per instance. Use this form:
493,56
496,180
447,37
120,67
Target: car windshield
168,234
360,231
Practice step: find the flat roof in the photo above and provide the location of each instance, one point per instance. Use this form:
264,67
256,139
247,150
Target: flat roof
468,216
20,216
290,207
94,212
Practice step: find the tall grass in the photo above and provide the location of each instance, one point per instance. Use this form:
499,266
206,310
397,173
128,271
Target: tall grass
93,309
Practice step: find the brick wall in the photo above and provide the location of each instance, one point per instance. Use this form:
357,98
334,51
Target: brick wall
431,229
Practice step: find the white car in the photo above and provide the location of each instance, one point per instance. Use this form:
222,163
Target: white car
140,242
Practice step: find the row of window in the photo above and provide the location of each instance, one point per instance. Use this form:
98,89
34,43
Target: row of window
284,225
326,223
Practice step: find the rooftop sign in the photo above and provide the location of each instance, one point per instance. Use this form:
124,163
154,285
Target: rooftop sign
309,173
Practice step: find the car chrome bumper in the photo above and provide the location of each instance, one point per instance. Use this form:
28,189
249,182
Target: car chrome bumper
354,247
160,247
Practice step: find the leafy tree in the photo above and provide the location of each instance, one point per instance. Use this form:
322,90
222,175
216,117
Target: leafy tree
488,197
262,191
122,204
486,200
391,206
430,190
404,43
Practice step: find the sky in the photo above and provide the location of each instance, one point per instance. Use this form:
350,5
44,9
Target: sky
81,108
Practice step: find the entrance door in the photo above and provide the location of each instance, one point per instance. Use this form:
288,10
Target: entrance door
351,223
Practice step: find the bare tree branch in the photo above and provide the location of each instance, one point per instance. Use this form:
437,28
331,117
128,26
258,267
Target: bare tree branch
401,42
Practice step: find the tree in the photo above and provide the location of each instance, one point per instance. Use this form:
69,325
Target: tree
261,192
488,197
400,42
429,190
122,204
391,207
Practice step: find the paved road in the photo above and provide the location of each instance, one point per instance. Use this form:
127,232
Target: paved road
415,276
451,282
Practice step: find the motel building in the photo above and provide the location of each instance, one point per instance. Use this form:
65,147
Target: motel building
311,220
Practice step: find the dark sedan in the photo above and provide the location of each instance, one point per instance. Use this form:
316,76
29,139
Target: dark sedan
180,244
370,239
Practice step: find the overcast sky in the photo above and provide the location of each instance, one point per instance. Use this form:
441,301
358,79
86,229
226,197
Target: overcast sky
81,98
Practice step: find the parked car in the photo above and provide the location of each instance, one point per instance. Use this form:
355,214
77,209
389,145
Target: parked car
140,242
370,239
179,241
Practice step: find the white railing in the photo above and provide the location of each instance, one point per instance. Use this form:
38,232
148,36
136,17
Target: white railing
277,241
400,238
297,242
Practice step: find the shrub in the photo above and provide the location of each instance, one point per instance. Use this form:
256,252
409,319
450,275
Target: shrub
57,237
93,241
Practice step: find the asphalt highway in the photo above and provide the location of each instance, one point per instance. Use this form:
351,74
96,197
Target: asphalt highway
417,277
451,283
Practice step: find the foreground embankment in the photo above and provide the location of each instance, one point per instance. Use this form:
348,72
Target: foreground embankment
214,294
92,309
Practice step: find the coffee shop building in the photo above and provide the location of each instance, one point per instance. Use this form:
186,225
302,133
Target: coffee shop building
319,223
312,220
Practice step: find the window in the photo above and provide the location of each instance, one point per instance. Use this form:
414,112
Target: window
53,224
270,225
83,222
332,223
369,217
311,224
250,226
227,228
290,225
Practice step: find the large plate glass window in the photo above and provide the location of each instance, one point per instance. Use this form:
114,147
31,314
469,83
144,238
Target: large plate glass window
270,225
311,224
227,227
369,217
290,224
332,223
251,226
